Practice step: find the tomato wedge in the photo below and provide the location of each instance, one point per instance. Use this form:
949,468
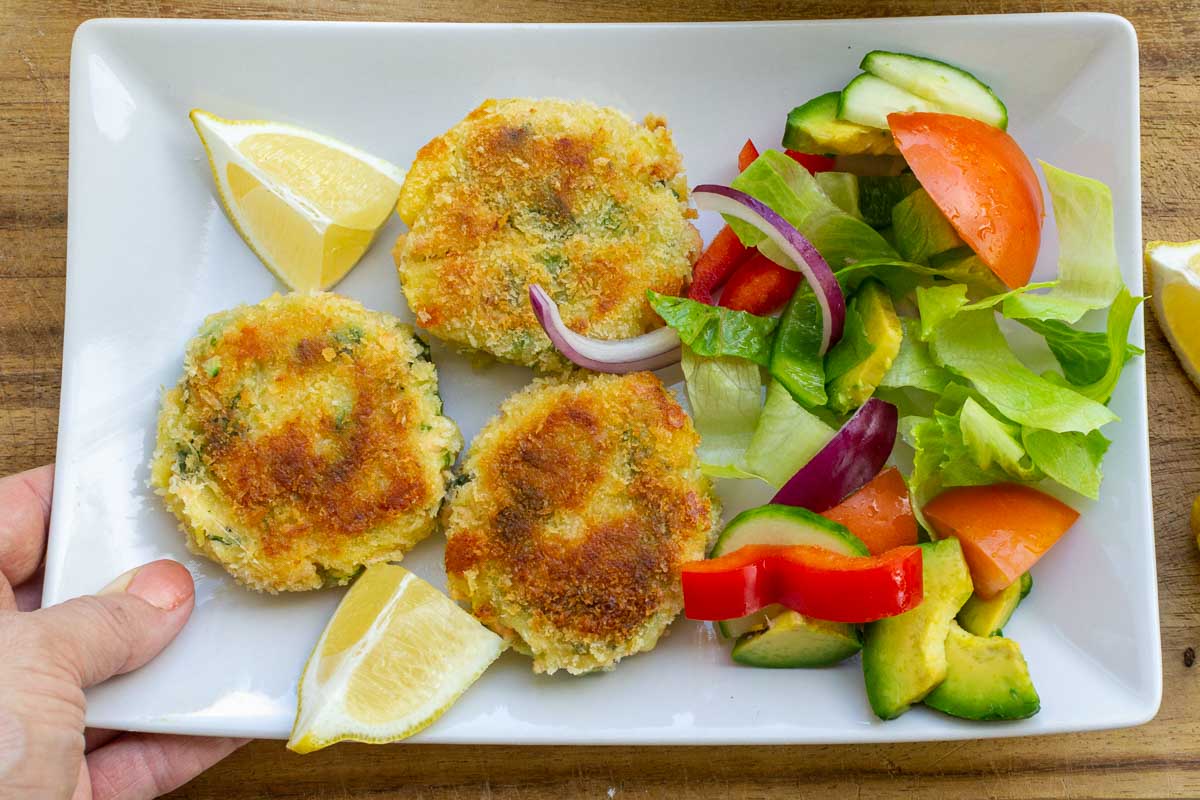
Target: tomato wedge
1003,528
879,513
759,286
716,264
816,582
984,184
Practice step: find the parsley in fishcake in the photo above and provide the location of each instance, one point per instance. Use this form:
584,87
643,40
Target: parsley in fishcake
576,508
304,440
577,198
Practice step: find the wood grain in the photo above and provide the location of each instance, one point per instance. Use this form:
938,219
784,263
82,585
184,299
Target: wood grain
1161,759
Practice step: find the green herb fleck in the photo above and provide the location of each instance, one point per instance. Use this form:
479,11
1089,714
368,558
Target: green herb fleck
213,366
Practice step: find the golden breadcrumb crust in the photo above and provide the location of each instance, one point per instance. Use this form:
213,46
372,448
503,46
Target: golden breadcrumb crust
304,440
568,195
576,509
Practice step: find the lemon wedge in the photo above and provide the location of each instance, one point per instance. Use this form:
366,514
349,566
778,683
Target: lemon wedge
395,656
1175,287
307,205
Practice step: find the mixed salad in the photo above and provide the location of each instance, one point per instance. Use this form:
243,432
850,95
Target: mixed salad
851,303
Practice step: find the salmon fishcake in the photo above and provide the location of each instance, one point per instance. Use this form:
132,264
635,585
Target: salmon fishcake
577,198
304,441
573,514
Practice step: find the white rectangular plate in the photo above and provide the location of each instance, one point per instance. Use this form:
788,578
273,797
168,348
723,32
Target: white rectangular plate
150,254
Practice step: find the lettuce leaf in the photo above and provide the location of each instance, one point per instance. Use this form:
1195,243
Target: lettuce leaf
1093,361
1089,275
716,332
914,367
787,436
971,345
993,443
725,395
1072,459
789,190
936,304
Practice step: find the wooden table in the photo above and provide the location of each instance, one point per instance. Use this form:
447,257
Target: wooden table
1158,760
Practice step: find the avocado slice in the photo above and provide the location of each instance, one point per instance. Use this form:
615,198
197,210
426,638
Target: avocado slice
921,229
793,640
988,617
986,678
850,388
904,657
815,128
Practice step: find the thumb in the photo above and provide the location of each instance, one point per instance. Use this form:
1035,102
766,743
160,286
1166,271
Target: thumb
128,623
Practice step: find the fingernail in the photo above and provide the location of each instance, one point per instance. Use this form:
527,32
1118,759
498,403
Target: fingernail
157,583
120,583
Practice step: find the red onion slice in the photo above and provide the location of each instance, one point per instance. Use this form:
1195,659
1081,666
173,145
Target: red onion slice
653,350
854,455
805,258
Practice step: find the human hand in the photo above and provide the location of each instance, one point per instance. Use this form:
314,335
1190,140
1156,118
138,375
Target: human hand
48,656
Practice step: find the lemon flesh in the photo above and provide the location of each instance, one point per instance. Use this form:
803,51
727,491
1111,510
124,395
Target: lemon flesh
394,658
308,206
1175,287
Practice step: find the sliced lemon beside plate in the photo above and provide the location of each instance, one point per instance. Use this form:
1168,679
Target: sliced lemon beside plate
396,654
308,205
1175,287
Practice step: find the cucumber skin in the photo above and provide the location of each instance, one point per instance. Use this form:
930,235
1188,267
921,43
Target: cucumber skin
726,543
865,66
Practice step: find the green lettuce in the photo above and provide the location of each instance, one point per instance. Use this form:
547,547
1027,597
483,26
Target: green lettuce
971,345
725,395
1092,360
787,436
937,304
914,367
1089,275
994,443
1072,459
790,191
716,332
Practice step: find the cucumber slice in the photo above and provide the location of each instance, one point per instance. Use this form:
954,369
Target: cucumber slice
783,525
793,640
954,89
867,100
786,525
815,128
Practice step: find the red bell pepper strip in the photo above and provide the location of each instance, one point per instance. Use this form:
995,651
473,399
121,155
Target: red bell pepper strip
816,582
812,163
716,264
879,513
759,286
747,155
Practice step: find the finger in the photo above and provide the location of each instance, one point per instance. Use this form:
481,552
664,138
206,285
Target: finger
8,598
120,629
24,518
94,738
140,766
29,593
